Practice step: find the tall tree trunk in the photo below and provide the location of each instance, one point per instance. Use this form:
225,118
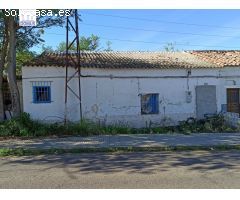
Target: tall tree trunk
1,84
11,60
2,64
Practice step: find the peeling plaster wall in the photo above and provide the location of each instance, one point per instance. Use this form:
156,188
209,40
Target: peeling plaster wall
112,96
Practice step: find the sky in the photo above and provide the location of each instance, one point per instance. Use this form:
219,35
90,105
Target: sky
151,30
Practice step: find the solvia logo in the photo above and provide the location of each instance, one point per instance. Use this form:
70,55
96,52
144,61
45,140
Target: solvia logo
27,17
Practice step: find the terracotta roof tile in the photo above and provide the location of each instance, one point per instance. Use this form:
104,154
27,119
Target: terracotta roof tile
190,59
220,58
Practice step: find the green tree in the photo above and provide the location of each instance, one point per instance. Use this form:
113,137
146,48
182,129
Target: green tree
170,47
22,57
47,48
89,43
108,44
14,40
86,43
62,47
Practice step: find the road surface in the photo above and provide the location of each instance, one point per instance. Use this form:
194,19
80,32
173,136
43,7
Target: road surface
197,169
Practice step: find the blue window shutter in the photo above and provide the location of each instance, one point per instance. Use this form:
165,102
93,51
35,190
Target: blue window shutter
154,103
149,104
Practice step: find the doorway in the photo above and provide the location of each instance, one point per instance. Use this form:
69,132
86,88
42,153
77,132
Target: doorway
206,102
233,100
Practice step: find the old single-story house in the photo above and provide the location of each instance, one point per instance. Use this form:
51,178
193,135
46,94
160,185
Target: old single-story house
134,88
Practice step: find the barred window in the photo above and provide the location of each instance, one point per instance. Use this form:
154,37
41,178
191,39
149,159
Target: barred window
149,104
41,92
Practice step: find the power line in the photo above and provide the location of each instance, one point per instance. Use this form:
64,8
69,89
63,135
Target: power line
178,44
55,34
152,42
161,21
157,31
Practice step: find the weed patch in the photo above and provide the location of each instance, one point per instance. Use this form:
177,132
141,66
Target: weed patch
53,151
24,126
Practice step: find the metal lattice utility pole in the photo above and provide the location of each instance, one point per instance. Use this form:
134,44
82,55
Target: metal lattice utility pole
73,61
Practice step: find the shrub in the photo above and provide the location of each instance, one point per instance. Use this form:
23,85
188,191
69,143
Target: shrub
209,125
21,126
24,126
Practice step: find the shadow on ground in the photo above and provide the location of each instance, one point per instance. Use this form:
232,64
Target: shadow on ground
148,163
151,140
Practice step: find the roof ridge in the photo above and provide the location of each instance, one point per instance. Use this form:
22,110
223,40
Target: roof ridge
110,52
137,52
143,59
212,50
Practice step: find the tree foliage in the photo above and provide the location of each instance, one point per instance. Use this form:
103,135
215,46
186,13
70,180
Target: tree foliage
170,47
15,42
90,43
108,44
23,57
47,48
62,47
27,37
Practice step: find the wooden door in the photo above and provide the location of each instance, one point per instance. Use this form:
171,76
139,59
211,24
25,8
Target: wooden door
233,100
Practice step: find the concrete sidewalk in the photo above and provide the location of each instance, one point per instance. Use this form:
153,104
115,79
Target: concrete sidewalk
147,140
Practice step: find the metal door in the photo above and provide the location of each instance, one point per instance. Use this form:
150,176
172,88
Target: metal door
206,102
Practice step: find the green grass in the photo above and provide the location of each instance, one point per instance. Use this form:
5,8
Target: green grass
34,152
24,126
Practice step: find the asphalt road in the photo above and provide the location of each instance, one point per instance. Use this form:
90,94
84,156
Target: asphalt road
130,140
200,169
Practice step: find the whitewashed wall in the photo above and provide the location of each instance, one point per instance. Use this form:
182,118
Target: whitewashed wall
112,96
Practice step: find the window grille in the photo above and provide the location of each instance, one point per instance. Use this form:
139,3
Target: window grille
41,91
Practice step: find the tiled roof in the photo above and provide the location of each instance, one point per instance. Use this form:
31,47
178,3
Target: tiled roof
220,58
190,59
